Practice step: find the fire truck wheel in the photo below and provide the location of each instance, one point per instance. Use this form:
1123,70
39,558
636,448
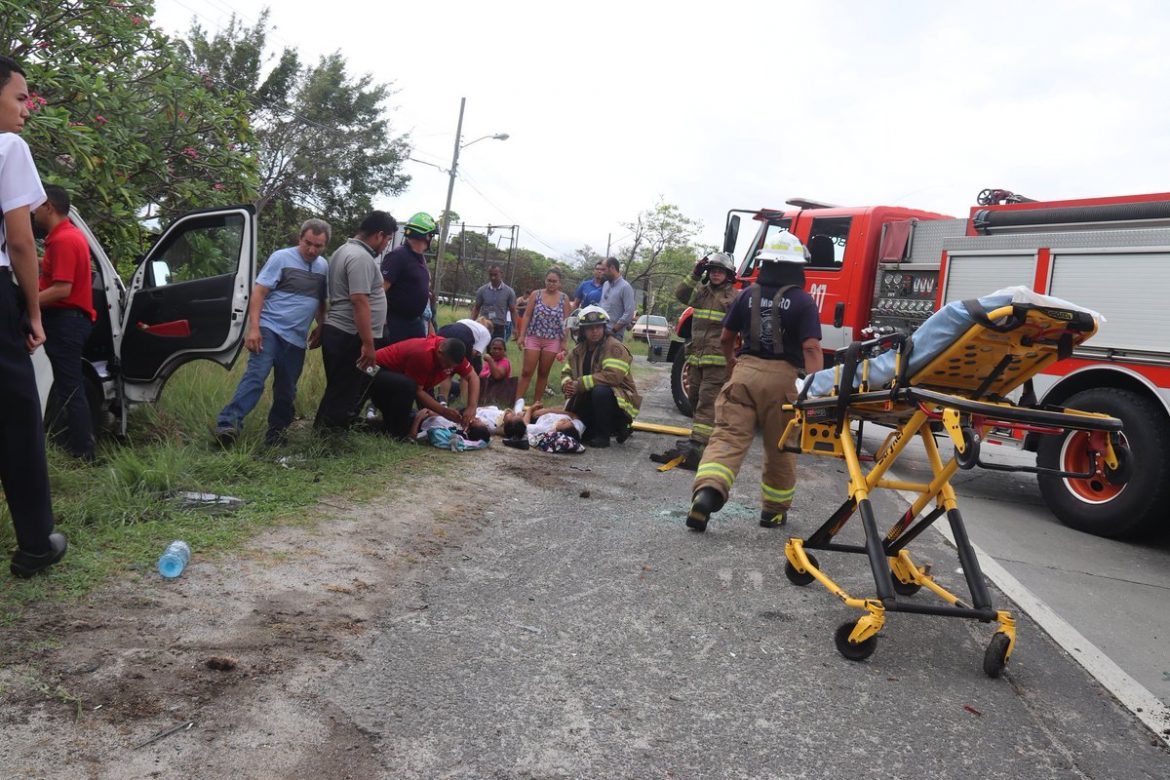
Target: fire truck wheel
678,383
1134,504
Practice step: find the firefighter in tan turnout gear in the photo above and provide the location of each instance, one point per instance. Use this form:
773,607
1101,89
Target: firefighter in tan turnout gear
709,299
780,328
596,380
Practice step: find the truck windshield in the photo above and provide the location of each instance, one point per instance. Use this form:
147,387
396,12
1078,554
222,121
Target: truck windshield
766,233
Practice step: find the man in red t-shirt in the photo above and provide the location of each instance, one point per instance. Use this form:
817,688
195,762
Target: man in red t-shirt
67,313
410,370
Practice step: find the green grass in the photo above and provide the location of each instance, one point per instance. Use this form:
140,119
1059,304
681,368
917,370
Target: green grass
122,511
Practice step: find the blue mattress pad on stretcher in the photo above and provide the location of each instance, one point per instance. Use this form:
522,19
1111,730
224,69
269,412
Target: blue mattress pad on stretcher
935,335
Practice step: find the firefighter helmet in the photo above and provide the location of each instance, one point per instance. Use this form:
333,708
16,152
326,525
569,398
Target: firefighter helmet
721,260
590,315
783,247
421,225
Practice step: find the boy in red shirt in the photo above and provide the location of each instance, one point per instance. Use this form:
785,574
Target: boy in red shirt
67,313
410,370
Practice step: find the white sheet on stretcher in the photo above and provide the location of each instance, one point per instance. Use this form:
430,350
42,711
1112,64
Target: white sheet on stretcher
935,335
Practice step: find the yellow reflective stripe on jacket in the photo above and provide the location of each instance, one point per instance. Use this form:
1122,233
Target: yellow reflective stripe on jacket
708,314
620,365
776,494
627,407
716,470
707,360
587,382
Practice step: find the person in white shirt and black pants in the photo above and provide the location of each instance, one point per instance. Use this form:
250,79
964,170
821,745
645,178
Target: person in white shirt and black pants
23,469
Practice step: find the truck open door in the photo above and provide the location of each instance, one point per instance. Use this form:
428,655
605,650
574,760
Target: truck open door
188,299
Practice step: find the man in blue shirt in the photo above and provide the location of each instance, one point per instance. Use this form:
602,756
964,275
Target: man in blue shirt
407,281
288,295
617,298
589,291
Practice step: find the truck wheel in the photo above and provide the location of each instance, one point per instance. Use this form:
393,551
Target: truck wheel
1114,508
678,383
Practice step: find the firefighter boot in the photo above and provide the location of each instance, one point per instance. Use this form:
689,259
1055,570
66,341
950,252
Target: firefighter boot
772,519
670,454
693,456
706,501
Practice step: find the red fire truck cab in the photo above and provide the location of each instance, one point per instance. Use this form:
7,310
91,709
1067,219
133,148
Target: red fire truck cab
880,269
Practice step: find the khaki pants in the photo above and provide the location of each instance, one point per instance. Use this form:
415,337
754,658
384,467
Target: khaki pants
751,400
703,386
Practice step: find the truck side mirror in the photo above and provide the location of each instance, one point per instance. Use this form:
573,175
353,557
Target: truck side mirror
731,234
839,314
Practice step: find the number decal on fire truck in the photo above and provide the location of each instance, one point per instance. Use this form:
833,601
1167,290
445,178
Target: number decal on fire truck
817,291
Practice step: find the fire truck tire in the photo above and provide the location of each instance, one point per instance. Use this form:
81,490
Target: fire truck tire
678,383
1134,504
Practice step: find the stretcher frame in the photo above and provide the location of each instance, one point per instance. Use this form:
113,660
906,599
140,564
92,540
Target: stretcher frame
963,391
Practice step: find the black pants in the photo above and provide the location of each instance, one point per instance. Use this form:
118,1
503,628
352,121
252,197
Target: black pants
23,469
393,394
598,409
346,385
398,329
69,416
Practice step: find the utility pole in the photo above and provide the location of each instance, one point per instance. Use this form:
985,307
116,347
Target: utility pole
608,238
450,191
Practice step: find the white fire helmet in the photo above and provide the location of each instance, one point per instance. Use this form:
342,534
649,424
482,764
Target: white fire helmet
783,247
590,315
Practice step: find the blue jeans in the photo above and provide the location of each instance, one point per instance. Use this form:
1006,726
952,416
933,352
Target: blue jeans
285,361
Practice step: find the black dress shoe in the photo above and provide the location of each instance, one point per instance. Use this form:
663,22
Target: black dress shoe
596,441
25,565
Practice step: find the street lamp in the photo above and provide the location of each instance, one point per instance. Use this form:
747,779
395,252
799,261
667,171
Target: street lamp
446,217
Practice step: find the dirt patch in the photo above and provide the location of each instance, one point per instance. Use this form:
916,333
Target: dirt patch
236,647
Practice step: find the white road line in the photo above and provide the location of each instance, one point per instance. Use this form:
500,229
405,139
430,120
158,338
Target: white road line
1132,695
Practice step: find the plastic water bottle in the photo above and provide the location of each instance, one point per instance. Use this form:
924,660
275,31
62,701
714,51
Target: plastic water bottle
174,559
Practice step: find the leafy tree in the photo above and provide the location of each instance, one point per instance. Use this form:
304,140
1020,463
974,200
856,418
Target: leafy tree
659,251
323,142
120,121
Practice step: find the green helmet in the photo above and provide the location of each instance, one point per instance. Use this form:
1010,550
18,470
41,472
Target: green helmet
421,225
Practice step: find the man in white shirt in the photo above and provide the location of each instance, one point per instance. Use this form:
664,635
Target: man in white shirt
23,467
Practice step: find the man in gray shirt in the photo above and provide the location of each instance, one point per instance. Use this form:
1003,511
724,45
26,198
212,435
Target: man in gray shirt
617,298
497,300
357,311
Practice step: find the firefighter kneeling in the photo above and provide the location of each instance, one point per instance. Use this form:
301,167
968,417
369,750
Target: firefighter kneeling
781,331
596,379
709,300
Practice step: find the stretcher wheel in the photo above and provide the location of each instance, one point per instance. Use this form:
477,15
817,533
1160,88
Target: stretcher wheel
799,578
854,652
995,657
970,456
904,588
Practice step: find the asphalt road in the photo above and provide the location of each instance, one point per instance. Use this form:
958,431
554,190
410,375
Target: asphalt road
588,634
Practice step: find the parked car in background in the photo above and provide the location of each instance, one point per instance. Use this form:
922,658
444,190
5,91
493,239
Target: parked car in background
651,326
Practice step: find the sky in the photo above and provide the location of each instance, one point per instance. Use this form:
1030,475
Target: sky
611,107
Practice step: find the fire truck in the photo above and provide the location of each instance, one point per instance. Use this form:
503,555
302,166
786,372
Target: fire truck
878,269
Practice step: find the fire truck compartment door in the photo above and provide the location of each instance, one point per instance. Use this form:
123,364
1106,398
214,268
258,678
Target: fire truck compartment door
1129,288
975,274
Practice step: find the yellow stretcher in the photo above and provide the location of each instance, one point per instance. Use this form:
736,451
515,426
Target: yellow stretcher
962,392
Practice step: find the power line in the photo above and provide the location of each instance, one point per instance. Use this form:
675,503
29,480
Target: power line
466,181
